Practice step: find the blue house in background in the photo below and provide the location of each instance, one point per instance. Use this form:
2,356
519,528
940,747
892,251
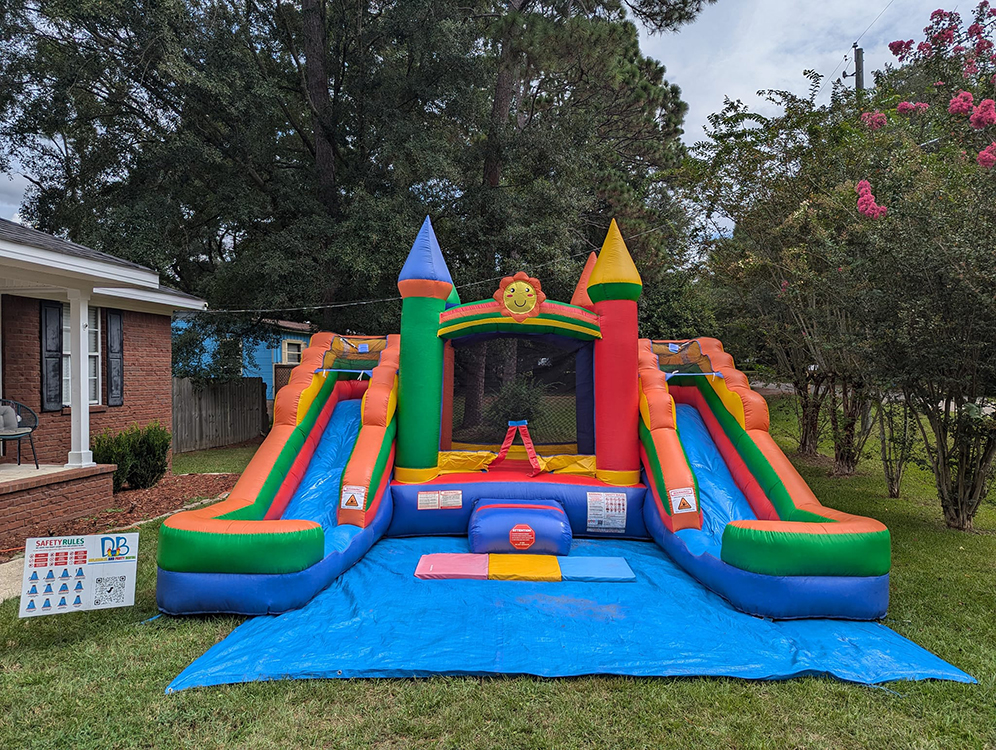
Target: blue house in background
271,360
266,359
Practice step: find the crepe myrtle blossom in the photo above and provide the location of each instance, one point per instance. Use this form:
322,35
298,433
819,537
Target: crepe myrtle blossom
905,108
984,114
987,157
961,103
866,201
873,120
901,49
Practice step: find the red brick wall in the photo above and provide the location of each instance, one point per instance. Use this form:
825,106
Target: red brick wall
148,390
36,509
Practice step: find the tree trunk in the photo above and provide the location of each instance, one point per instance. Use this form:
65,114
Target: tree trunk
895,431
473,405
962,449
316,72
501,104
851,420
811,391
510,360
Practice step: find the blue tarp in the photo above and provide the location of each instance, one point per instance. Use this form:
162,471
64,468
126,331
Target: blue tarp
378,620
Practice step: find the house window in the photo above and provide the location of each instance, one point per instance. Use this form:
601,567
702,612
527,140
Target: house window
292,352
93,355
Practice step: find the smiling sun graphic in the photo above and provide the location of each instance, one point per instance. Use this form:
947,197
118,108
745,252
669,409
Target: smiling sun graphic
520,296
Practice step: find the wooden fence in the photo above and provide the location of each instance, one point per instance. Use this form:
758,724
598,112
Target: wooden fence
218,414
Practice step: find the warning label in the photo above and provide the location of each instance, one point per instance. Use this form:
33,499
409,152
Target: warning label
451,499
607,512
428,500
683,500
353,497
521,536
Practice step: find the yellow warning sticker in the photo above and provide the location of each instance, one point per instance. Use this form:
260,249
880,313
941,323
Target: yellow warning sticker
683,500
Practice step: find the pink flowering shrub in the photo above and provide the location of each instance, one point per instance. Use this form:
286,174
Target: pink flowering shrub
873,120
905,108
984,114
961,103
944,37
987,157
866,201
901,49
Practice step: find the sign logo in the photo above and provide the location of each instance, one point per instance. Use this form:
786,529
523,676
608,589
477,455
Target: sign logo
113,547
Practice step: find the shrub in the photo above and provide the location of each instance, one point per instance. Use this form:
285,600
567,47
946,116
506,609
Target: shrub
141,454
111,448
521,398
150,450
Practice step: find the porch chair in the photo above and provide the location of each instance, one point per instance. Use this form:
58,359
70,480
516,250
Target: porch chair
17,422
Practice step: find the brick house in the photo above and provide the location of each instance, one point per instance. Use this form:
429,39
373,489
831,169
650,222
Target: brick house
84,343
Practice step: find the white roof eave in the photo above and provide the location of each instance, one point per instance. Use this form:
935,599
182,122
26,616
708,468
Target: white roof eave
48,264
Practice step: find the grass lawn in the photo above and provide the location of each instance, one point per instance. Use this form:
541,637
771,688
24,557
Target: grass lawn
215,461
96,679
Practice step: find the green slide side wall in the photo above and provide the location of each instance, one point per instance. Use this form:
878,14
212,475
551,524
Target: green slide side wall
268,553
285,459
784,553
655,465
201,552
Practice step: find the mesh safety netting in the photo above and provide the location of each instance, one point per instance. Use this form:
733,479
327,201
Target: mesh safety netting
531,378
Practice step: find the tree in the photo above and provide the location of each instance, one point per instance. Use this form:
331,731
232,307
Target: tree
279,155
863,238
793,268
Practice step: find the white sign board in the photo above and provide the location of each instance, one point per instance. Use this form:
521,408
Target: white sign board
72,574
607,512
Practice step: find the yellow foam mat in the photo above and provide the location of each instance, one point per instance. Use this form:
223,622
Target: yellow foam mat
523,568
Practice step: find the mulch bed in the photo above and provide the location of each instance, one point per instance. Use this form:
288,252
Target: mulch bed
173,492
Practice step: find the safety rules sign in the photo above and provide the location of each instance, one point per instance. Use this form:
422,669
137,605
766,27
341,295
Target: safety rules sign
70,574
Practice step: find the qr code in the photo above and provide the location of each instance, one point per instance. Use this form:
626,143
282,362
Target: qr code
109,590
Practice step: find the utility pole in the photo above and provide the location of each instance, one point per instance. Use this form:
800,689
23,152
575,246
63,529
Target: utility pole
859,68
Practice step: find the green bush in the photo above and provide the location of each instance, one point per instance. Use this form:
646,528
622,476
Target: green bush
114,448
141,454
150,449
521,398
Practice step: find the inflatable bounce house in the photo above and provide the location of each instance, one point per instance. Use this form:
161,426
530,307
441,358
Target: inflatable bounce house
662,441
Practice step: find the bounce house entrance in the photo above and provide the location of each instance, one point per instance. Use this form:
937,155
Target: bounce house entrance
523,378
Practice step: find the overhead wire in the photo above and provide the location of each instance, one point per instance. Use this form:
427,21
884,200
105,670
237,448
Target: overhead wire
860,37
356,303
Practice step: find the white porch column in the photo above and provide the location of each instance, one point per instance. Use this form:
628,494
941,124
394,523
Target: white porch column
79,377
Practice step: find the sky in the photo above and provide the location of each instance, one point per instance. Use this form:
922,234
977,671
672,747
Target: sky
737,47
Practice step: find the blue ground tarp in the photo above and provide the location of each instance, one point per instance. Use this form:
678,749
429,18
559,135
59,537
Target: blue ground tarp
378,620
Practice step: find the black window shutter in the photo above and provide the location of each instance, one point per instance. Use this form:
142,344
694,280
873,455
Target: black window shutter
115,358
51,355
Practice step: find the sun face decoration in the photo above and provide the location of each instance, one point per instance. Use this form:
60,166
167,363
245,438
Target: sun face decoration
520,297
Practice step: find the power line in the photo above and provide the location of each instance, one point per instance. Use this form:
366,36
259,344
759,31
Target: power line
881,13
860,36
830,77
357,303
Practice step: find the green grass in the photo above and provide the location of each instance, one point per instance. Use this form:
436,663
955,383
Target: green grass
214,461
96,679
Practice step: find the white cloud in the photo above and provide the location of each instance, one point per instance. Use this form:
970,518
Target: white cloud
737,47
12,187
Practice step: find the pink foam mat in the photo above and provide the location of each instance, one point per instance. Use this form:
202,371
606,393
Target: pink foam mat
452,565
